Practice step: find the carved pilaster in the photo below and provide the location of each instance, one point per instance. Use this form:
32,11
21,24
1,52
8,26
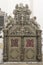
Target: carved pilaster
22,49
39,52
5,54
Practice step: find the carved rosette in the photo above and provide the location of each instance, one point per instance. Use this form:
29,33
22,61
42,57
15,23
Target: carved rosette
14,54
30,54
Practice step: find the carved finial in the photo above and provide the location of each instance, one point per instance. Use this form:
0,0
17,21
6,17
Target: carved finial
0,9
21,5
16,6
26,6
34,17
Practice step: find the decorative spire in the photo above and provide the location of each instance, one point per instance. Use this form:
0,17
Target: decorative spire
26,6
21,13
21,5
16,6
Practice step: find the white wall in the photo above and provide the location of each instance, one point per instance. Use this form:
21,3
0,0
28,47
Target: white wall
38,11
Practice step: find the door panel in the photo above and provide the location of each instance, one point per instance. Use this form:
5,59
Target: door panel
14,48
30,48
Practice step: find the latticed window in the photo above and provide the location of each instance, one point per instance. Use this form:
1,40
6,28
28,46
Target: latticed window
30,43
14,42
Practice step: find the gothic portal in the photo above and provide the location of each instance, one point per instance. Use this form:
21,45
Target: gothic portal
22,38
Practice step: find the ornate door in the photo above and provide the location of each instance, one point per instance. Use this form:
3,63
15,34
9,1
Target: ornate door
30,48
14,48
22,49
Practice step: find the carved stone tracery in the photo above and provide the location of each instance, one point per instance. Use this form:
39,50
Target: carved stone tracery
22,26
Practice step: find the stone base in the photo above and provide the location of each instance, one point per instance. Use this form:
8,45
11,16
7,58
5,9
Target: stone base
22,63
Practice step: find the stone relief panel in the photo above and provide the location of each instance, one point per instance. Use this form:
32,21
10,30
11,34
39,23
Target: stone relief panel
30,48
22,37
14,48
